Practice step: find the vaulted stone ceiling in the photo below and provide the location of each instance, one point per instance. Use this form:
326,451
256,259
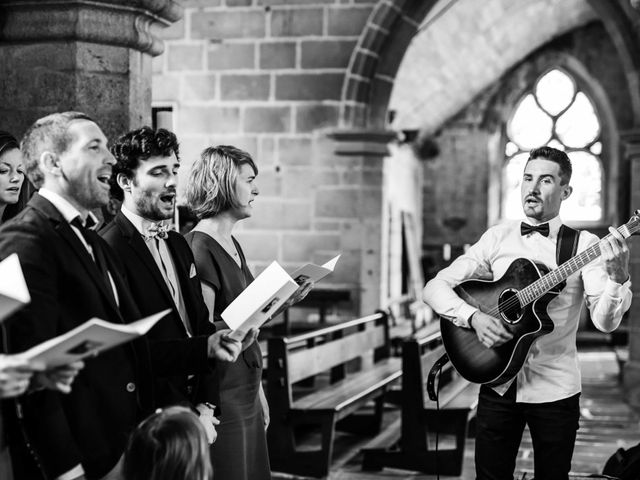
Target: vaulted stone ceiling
465,45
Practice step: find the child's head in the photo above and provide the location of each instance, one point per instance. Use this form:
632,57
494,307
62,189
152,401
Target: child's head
171,444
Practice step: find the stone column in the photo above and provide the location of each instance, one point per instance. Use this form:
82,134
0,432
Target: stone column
631,372
92,56
357,204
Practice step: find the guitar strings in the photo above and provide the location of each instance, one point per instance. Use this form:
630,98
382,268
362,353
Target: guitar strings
515,301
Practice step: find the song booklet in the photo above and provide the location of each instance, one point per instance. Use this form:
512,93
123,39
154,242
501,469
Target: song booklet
89,340
268,291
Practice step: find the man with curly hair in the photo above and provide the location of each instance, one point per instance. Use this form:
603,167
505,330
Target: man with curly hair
161,272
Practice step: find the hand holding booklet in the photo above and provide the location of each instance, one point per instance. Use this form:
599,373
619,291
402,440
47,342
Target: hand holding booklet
88,340
272,288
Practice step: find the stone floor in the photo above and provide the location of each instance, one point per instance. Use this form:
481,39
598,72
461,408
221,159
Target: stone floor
607,423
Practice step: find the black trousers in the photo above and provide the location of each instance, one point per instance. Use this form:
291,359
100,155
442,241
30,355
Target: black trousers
499,425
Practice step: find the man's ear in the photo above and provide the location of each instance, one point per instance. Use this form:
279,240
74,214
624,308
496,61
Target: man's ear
568,190
124,182
50,162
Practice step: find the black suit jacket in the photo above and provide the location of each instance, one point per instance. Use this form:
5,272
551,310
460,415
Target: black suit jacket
109,396
174,355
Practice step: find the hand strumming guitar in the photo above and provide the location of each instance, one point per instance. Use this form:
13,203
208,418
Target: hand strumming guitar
489,330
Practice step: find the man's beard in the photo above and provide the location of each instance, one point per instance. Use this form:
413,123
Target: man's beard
148,208
88,196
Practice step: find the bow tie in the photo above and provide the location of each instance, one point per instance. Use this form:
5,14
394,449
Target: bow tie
158,230
89,223
543,229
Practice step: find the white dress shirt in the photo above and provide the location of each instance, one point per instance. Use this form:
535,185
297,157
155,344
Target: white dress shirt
550,371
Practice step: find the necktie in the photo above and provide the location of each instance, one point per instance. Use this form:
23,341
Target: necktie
91,238
161,254
543,229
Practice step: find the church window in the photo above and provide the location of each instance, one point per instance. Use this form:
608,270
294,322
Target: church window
558,114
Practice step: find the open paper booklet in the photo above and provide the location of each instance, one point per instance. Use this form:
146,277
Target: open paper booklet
13,289
89,339
262,298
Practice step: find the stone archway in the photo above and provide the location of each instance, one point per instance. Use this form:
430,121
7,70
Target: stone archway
376,59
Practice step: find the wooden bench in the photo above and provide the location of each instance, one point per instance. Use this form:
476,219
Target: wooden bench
424,422
408,318
328,354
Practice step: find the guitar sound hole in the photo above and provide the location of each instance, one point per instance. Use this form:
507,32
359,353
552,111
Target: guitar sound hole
509,305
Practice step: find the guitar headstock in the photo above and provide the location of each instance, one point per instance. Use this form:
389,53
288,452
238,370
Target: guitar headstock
632,226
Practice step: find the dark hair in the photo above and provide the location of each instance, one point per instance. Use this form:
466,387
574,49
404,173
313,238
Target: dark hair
9,142
212,180
171,444
556,156
48,133
137,145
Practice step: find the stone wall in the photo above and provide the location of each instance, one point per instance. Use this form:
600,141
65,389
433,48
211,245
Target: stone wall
267,76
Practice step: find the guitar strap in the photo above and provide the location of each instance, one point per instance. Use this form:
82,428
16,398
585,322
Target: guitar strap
566,248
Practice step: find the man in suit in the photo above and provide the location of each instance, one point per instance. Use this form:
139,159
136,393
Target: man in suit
72,276
160,268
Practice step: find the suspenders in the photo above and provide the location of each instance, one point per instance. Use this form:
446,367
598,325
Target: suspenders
567,244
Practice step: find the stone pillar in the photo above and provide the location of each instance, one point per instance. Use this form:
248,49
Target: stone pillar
631,373
94,57
357,204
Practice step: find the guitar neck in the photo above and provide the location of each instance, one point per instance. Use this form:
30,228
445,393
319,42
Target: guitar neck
541,286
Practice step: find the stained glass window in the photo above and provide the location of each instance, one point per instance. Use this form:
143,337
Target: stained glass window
556,113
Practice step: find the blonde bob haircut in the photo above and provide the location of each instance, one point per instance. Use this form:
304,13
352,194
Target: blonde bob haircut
211,188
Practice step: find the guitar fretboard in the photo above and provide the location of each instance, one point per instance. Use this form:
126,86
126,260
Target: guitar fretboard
541,286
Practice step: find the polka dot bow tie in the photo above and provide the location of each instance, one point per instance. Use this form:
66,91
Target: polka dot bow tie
157,230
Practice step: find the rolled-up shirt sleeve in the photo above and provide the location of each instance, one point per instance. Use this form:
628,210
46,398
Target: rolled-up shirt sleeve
438,292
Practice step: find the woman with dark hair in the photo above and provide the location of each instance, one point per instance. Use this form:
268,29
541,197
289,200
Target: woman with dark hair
13,197
171,444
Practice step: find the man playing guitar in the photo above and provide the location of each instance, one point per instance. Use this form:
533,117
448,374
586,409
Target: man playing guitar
545,393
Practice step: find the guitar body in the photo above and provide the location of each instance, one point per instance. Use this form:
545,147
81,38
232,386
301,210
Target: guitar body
494,366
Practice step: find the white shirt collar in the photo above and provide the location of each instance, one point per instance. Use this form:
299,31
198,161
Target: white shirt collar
140,224
68,211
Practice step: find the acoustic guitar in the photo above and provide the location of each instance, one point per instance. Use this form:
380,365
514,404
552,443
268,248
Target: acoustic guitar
519,299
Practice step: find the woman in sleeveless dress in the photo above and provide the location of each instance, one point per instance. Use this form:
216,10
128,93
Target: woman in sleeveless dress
220,191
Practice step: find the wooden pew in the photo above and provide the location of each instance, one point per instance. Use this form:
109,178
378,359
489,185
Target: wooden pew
328,354
413,446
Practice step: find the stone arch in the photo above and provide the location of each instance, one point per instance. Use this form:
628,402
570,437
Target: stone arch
376,58
391,26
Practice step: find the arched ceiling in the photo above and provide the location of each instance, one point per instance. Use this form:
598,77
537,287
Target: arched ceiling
465,46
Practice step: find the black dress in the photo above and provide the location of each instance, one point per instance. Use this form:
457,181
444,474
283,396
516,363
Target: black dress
240,452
